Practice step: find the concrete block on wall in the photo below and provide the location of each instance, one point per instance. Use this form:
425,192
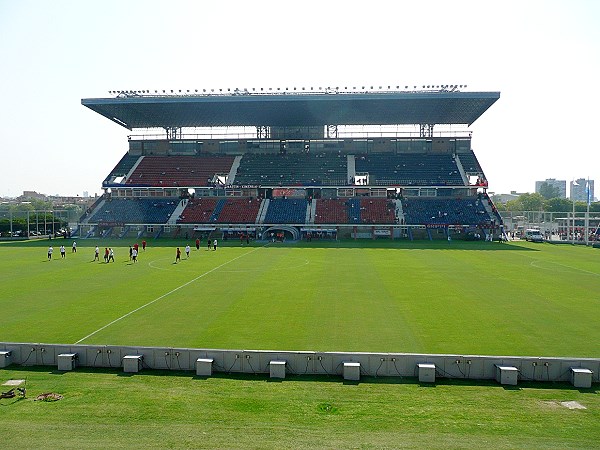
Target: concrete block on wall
132,363
352,371
67,361
426,372
277,369
5,358
507,375
581,377
204,367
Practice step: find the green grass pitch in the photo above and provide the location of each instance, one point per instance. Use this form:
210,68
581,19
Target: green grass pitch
383,296
457,297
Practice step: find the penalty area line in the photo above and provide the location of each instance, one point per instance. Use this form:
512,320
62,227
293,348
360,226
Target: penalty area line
165,295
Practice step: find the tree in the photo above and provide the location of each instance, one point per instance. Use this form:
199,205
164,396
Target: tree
531,202
557,205
548,190
514,205
500,206
580,206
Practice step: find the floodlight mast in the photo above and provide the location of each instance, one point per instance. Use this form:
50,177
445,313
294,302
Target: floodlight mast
329,90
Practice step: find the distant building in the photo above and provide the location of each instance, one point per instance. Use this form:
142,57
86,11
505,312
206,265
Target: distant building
57,201
503,198
579,190
29,195
559,185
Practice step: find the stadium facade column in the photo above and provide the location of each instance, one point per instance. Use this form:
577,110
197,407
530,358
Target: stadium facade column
332,131
263,132
426,129
573,183
173,132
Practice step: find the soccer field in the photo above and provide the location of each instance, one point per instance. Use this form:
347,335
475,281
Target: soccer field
381,296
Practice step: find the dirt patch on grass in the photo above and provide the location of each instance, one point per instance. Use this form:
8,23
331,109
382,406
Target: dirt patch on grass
573,405
48,397
554,404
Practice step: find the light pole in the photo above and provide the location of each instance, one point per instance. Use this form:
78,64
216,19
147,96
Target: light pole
588,200
573,183
573,228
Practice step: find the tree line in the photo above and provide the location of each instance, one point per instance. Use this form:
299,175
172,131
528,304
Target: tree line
537,202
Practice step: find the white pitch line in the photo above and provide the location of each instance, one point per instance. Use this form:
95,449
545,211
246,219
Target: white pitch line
164,295
577,269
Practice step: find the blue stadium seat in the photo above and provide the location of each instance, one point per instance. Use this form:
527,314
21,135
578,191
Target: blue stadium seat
137,210
291,211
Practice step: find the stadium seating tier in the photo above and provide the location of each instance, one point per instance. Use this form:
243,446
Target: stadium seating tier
185,171
136,210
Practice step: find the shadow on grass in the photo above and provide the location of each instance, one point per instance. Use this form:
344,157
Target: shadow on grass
343,243
12,402
321,378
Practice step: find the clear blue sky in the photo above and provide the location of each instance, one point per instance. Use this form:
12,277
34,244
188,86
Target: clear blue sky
543,56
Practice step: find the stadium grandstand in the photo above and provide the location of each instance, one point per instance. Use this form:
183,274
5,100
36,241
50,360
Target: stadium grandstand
364,163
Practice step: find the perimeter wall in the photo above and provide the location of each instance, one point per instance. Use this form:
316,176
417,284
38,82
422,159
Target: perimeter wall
474,367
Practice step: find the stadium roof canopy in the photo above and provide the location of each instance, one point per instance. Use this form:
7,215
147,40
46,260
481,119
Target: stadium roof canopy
285,110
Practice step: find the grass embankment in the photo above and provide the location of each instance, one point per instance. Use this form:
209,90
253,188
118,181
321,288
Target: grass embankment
177,410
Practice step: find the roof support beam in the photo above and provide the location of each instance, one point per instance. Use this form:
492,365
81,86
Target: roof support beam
426,130
173,132
332,131
263,132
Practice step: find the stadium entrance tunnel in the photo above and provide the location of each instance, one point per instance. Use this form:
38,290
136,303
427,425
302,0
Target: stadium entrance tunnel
289,232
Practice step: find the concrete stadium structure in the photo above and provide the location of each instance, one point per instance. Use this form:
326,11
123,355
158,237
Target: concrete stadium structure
377,153
581,372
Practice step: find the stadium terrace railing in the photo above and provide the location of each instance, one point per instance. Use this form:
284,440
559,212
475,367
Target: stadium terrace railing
456,366
251,135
